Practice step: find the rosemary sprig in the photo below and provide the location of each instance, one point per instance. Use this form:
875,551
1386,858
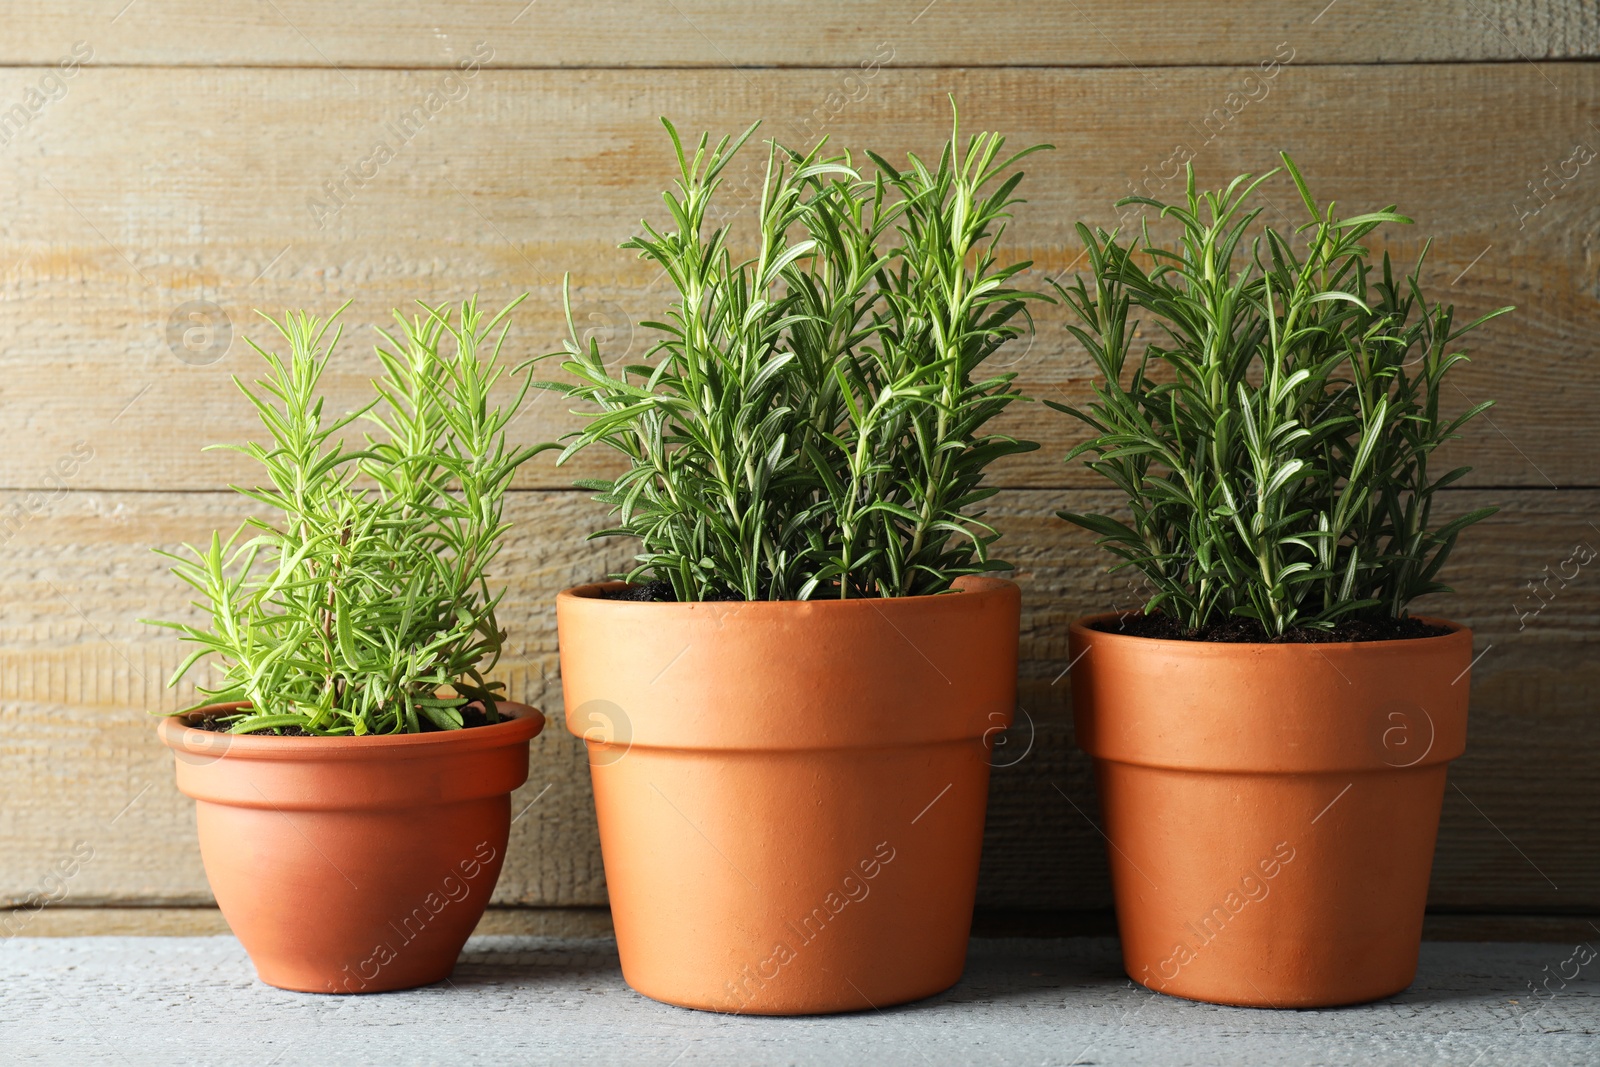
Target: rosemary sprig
811,422
364,605
1273,439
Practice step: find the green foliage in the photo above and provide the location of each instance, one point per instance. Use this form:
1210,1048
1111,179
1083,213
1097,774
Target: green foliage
364,607
810,422
1273,438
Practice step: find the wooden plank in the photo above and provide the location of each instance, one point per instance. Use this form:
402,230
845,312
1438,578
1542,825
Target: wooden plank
120,204
76,663
1451,926
66,921
111,921
821,33
78,675
1438,926
1532,714
512,1000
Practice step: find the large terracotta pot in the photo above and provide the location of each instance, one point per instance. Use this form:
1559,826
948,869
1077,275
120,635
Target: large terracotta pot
353,864
1271,809
791,794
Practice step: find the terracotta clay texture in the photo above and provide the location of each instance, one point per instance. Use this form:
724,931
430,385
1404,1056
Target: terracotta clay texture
791,795
353,865
1271,809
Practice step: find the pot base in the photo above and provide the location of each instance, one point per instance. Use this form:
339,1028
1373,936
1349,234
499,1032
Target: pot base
792,883
396,894
289,979
353,865
1210,997
1271,809
1271,891
671,994
791,794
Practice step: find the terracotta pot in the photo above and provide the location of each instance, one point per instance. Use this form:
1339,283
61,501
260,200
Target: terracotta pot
1271,809
791,794
353,864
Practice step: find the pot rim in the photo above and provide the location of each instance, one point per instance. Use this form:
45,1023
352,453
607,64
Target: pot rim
1083,628
525,723
791,674
590,592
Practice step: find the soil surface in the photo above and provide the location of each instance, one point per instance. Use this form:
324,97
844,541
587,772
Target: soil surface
1249,631
214,725
471,715
659,592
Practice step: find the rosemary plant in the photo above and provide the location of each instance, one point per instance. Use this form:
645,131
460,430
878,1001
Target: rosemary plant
812,419
364,606
1274,437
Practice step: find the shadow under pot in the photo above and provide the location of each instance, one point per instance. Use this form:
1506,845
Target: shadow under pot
1271,809
791,794
353,864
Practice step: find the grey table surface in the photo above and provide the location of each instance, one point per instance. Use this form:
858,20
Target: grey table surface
176,1000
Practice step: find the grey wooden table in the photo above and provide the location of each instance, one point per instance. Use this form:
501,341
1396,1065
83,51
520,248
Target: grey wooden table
138,1000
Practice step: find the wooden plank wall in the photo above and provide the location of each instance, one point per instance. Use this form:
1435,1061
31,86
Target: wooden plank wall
181,166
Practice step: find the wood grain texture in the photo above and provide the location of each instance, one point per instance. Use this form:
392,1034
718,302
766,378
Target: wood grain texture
80,674
203,921
140,191
208,159
500,920
135,1001
794,33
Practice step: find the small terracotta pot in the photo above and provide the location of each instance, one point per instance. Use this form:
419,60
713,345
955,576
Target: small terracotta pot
1271,809
353,864
791,794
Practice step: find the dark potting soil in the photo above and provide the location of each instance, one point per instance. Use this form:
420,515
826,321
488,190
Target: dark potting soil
217,726
659,592
1249,631
471,715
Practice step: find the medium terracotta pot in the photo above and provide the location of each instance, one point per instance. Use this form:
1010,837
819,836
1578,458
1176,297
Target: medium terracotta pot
791,794
353,864
1271,809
